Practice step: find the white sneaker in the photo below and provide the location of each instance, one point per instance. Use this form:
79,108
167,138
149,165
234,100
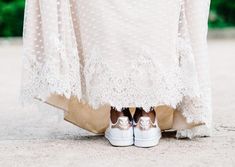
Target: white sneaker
146,133
120,133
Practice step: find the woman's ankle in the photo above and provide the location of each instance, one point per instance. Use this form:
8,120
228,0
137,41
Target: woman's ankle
139,112
115,114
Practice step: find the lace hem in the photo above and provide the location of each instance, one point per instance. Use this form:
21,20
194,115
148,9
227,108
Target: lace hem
198,131
50,59
176,87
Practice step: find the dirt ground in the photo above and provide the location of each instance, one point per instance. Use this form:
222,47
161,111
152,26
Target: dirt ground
33,137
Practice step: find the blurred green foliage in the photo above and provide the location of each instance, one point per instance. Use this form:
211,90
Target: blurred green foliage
222,13
12,12
11,17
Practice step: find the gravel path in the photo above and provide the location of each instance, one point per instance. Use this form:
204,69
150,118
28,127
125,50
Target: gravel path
33,137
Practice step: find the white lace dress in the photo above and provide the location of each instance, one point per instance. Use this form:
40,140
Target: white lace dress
119,52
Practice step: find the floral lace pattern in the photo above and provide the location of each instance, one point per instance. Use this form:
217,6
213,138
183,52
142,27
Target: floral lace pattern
50,61
101,53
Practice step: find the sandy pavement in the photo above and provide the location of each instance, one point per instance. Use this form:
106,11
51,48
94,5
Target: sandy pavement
33,137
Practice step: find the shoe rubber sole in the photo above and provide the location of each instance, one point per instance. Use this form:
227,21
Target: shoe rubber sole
121,142
147,142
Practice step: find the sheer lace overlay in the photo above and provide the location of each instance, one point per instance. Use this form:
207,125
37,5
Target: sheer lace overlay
119,52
